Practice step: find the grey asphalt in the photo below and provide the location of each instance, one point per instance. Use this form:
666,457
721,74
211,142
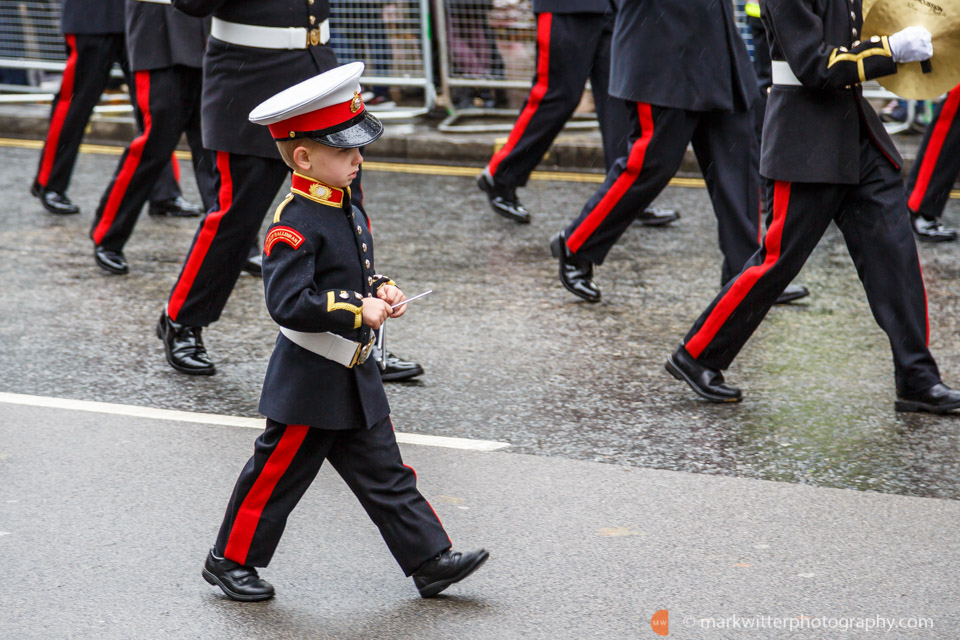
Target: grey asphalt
111,516
104,522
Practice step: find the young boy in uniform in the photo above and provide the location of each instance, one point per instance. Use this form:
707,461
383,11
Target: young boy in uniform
826,157
322,396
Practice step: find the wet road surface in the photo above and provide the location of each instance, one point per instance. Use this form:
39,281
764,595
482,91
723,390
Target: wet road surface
509,354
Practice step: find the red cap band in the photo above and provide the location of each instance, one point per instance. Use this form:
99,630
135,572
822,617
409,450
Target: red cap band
317,120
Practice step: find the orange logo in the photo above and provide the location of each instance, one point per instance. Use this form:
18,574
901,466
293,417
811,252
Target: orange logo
660,622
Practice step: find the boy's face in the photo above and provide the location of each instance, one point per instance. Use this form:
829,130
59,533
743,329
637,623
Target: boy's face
332,166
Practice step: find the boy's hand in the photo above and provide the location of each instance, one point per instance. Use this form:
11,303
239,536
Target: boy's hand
375,312
391,294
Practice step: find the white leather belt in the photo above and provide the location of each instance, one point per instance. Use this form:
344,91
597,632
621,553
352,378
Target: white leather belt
330,346
781,73
156,1
248,35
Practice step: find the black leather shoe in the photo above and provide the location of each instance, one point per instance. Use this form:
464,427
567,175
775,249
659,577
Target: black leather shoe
237,581
707,382
937,399
575,275
112,261
504,200
792,292
184,347
54,201
254,265
394,369
657,216
175,208
931,230
438,573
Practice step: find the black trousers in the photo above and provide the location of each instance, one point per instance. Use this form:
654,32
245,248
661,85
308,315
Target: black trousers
169,101
938,161
727,151
872,216
287,458
570,49
89,61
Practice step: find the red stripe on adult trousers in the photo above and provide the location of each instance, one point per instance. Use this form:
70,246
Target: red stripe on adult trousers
638,152
131,162
60,113
248,515
544,23
948,112
745,281
208,232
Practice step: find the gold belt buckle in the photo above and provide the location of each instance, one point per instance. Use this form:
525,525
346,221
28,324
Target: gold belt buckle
364,352
313,37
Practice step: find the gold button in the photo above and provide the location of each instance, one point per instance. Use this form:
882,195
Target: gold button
370,281
359,230
310,2
843,49
313,19
854,32
364,247
853,16
875,39
367,262
856,43
344,295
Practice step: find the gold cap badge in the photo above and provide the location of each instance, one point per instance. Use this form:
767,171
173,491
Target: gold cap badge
356,103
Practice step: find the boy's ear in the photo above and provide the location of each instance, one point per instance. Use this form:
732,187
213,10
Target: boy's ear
301,157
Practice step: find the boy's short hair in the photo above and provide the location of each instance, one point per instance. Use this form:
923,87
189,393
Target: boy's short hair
287,148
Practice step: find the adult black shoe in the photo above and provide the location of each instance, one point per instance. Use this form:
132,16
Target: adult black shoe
54,201
706,382
576,275
792,292
394,369
931,230
112,261
238,581
184,347
254,265
438,573
657,216
503,200
937,399
175,208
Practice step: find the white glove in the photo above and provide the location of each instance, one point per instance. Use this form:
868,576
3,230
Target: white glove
912,44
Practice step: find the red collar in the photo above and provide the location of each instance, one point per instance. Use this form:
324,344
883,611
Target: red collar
317,191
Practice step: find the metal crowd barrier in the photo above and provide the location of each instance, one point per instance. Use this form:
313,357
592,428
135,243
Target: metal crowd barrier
392,37
486,44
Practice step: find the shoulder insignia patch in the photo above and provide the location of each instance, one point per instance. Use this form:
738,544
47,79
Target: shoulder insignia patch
282,234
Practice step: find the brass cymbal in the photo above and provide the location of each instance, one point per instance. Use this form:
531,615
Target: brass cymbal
942,19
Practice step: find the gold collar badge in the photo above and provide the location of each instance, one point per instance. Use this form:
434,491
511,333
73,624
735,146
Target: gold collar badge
321,191
356,103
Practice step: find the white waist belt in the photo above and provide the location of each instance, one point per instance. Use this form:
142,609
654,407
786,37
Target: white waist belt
157,1
330,346
248,35
783,74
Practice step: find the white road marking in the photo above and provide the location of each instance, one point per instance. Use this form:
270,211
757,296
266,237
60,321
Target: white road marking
224,421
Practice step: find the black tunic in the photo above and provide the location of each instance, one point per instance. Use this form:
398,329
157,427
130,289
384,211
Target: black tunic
92,16
811,133
572,6
236,79
317,268
664,53
159,36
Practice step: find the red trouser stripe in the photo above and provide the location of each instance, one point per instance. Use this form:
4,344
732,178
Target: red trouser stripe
131,162
208,231
544,22
745,281
248,515
622,184
175,164
60,113
932,154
